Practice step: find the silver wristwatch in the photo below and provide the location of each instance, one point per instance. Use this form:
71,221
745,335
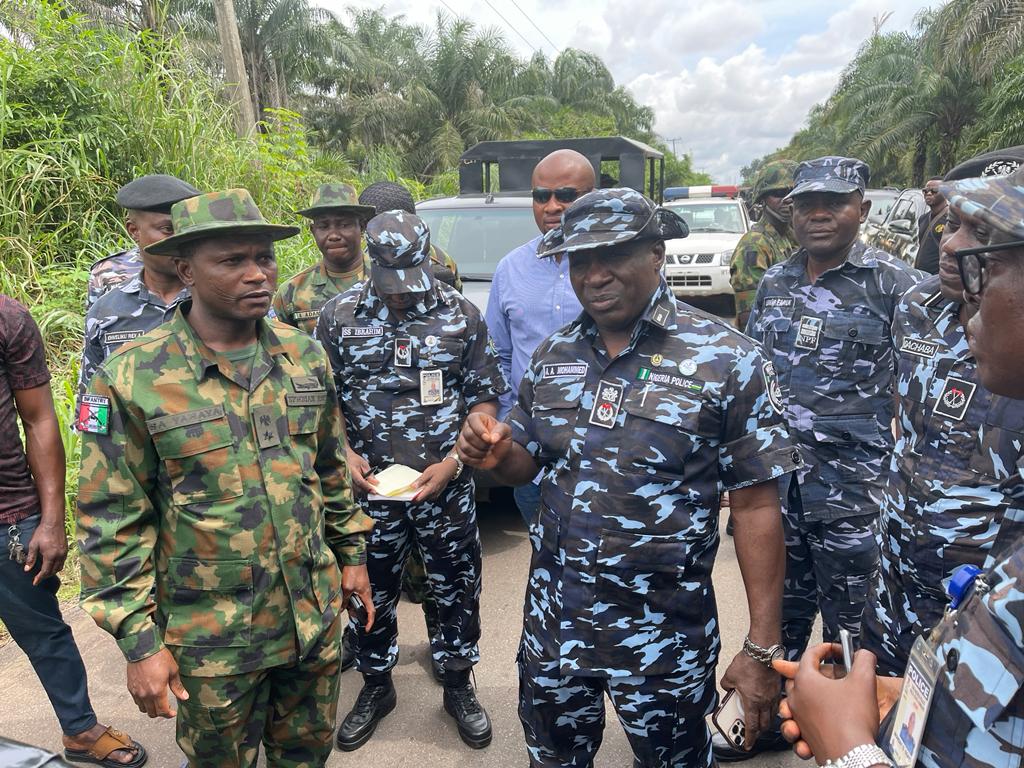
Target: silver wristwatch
864,756
459,464
761,654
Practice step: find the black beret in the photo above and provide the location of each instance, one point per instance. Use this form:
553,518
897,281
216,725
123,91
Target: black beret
1001,162
157,193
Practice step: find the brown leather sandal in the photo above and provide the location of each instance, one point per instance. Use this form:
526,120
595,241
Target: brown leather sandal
109,742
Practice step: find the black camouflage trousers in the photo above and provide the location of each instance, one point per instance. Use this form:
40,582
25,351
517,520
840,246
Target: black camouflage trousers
829,567
446,535
663,717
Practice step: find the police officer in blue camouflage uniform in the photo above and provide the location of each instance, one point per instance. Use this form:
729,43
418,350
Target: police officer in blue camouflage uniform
411,358
825,316
120,311
640,414
976,653
942,502
148,201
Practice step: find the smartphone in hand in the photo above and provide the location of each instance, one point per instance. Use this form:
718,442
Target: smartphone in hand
357,609
729,719
846,641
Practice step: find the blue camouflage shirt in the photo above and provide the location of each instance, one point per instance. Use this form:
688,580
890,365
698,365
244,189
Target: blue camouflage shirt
831,344
121,314
388,418
944,497
635,453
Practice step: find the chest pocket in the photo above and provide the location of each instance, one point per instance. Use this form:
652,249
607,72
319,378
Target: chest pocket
774,329
663,429
1000,441
200,461
446,355
364,355
851,346
555,411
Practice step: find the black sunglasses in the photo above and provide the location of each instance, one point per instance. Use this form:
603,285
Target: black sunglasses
971,264
562,194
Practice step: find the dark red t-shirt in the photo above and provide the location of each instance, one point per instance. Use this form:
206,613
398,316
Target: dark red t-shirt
22,366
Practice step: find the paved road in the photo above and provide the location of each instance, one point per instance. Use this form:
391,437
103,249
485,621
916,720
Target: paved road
418,734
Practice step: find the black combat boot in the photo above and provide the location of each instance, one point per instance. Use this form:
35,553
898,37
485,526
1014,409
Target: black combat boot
375,701
348,649
461,703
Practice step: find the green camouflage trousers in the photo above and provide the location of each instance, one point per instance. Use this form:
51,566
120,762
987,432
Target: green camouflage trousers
291,710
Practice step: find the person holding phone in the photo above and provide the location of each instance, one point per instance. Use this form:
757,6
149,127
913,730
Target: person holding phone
975,654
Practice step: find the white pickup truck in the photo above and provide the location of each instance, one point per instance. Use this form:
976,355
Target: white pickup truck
698,265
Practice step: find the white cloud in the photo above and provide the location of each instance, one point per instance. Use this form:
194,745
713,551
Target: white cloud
732,79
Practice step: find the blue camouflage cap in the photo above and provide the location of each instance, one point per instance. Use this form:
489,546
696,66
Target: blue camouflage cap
840,175
608,217
996,200
398,243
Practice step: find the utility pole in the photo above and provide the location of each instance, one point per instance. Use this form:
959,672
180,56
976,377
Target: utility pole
234,66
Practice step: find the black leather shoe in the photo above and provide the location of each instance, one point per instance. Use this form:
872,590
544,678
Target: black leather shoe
461,703
769,741
375,701
348,649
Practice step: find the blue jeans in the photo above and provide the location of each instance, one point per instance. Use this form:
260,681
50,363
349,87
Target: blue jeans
33,618
528,500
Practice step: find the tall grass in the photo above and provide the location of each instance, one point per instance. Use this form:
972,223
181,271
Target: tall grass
84,110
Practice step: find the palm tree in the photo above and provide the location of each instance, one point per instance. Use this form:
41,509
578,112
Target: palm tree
981,34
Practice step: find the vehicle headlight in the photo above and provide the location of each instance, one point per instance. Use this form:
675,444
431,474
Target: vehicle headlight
726,257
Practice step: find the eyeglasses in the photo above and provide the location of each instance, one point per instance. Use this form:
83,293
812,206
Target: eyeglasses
971,263
562,194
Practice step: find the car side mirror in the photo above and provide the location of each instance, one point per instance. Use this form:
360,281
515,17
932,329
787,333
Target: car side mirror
901,226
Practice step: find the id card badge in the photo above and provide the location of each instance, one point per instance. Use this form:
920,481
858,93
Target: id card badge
914,704
809,333
607,400
431,387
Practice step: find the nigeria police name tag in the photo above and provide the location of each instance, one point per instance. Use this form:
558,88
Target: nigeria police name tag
955,398
606,405
431,387
361,332
919,347
915,701
809,333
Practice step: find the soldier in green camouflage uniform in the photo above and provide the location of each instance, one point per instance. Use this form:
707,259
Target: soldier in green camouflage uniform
769,241
337,221
219,540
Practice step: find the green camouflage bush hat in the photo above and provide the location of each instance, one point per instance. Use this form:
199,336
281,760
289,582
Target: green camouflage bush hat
996,200
216,214
337,197
156,192
774,175
841,175
398,243
607,217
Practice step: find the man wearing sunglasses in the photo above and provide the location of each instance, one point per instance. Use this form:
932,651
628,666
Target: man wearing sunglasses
531,298
942,501
930,226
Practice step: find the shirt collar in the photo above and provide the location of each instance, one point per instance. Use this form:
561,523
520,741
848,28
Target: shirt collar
369,304
201,358
659,316
858,257
320,276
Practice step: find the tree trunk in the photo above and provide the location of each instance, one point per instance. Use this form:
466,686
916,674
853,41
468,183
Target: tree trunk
234,66
920,158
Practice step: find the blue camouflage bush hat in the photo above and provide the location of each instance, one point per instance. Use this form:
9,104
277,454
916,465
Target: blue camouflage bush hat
608,217
996,200
398,243
841,175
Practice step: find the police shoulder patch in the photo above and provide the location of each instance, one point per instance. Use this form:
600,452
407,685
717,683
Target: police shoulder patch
93,415
771,387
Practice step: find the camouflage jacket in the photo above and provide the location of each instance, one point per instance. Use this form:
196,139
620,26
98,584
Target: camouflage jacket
112,271
212,515
760,248
977,714
298,302
381,392
944,499
121,314
635,453
831,344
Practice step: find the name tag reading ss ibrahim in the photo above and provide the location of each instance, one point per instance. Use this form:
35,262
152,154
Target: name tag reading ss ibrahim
359,332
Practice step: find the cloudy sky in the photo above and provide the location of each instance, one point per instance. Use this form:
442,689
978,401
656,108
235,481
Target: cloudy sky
728,79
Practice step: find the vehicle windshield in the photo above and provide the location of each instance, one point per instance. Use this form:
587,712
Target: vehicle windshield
711,216
881,203
478,238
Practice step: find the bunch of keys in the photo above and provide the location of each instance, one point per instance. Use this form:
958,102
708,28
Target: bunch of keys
14,549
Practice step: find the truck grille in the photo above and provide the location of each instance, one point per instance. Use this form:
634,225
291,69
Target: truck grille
686,260
689,281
